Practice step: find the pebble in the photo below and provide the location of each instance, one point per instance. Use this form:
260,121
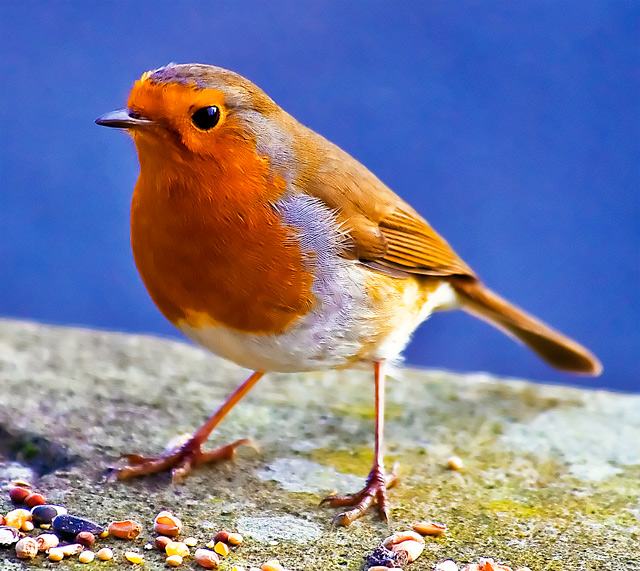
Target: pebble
86,557
174,560
126,529
44,514
46,541
56,554
207,558
105,554
8,535
26,548
167,524
71,525
18,494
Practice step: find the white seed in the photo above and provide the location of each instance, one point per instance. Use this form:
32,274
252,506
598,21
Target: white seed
56,554
447,565
86,556
46,541
174,560
408,541
455,463
105,554
26,548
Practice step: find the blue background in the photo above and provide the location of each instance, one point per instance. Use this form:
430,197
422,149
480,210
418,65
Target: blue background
514,127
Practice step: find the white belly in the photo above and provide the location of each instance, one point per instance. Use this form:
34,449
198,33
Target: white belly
345,327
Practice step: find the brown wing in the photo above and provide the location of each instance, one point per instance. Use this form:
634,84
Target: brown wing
385,232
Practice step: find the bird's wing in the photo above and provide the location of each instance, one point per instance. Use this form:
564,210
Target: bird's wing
384,231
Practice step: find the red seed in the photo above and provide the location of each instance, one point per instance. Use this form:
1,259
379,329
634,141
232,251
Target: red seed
125,529
19,494
162,541
221,536
86,538
33,500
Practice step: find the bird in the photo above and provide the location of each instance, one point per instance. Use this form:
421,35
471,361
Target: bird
268,245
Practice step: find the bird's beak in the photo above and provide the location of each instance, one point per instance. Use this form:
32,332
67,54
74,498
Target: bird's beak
123,119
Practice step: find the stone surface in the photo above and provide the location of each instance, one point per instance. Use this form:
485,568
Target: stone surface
550,479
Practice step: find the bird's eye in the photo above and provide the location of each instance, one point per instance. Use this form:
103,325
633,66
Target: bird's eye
206,118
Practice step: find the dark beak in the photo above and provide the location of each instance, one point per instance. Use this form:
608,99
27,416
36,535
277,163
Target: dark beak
123,119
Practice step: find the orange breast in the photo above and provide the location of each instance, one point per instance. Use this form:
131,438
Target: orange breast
209,245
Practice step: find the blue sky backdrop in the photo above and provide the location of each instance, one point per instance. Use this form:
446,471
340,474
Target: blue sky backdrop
514,127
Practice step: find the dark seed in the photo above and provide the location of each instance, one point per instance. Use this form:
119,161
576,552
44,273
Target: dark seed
385,557
46,513
8,535
67,525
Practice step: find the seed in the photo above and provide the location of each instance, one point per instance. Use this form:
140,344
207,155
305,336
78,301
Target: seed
235,539
46,541
473,567
167,524
105,554
408,541
44,514
15,518
86,556
177,548
125,529
71,549
86,538
191,541
26,548
379,568
174,560
18,494
8,535
56,554
2,520
238,568
207,559
455,463
273,565
221,536
447,565
221,548
133,557
34,499
162,541
27,526
429,528
71,525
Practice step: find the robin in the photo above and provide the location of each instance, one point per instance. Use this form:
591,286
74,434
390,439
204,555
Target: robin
270,246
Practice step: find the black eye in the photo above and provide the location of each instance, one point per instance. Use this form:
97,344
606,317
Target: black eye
206,118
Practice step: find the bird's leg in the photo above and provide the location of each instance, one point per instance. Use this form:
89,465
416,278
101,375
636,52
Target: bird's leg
181,459
375,490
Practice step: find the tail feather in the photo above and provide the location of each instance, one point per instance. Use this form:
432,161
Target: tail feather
553,347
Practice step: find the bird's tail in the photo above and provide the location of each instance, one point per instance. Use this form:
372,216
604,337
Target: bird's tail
553,347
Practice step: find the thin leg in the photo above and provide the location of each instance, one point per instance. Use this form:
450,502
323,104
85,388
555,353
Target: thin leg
375,490
191,454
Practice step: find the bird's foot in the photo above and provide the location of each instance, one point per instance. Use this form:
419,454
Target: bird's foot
180,459
375,491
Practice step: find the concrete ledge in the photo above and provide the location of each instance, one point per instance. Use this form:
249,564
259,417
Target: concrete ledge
551,476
